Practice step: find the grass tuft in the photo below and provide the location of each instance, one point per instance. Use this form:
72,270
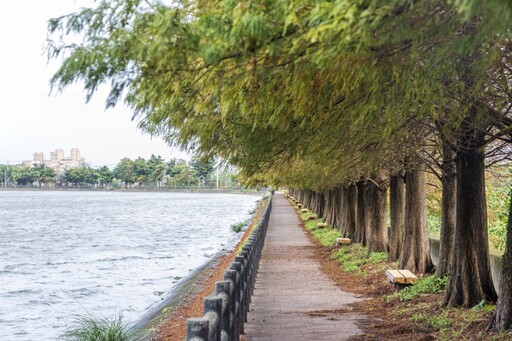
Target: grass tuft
87,328
352,257
432,323
237,227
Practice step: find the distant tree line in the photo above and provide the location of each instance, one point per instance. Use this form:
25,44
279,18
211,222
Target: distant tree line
139,173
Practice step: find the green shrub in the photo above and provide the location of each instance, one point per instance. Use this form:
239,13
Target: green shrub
237,227
427,285
99,329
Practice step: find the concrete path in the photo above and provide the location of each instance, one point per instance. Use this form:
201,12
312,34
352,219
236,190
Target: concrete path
293,299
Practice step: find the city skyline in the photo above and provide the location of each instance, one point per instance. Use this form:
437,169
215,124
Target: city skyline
32,119
40,157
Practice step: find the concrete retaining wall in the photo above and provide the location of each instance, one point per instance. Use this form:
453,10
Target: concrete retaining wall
495,260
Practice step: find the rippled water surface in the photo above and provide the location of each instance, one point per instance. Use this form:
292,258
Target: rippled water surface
64,254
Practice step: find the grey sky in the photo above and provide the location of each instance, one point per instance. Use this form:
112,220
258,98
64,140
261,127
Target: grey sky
31,121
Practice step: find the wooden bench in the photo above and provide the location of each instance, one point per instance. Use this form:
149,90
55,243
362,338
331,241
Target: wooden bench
342,241
299,205
401,278
312,217
304,210
321,225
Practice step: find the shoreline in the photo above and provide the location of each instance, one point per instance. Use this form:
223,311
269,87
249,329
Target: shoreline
177,296
188,300
134,190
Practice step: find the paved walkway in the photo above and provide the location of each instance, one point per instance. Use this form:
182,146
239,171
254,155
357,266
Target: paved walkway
293,299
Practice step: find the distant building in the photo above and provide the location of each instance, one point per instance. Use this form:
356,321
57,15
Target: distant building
58,161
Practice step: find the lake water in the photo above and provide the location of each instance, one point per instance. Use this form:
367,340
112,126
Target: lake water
67,254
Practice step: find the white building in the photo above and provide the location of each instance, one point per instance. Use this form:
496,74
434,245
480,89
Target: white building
58,161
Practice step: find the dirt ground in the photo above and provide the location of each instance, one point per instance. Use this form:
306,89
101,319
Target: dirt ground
395,320
174,326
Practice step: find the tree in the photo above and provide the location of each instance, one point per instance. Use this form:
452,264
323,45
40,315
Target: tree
105,176
141,170
415,251
5,174
81,176
22,175
203,168
124,171
397,216
43,174
156,169
375,214
174,167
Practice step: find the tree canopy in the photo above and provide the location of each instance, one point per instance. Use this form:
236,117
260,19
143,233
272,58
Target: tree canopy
279,85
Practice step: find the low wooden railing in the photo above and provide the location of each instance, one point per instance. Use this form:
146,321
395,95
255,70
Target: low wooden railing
225,310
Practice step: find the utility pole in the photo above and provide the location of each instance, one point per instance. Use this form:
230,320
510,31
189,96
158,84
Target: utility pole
5,174
217,175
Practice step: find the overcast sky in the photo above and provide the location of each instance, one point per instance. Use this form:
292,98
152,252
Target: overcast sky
32,121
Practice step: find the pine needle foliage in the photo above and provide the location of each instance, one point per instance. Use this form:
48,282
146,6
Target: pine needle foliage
279,87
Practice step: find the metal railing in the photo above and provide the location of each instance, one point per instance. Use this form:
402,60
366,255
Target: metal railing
225,310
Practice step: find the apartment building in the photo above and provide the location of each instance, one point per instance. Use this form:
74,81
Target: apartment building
58,160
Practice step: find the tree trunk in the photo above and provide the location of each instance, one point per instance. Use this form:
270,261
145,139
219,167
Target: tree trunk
397,216
343,210
352,211
377,229
470,276
502,317
329,206
448,210
415,252
336,208
360,234
319,209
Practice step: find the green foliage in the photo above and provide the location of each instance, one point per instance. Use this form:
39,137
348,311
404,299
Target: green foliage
125,171
237,227
498,186
326,236
203,168
104,175
434,224
5,174
138,172
82,175
352,257
427,285
156,169
99,329
484,306
429,322
269,85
